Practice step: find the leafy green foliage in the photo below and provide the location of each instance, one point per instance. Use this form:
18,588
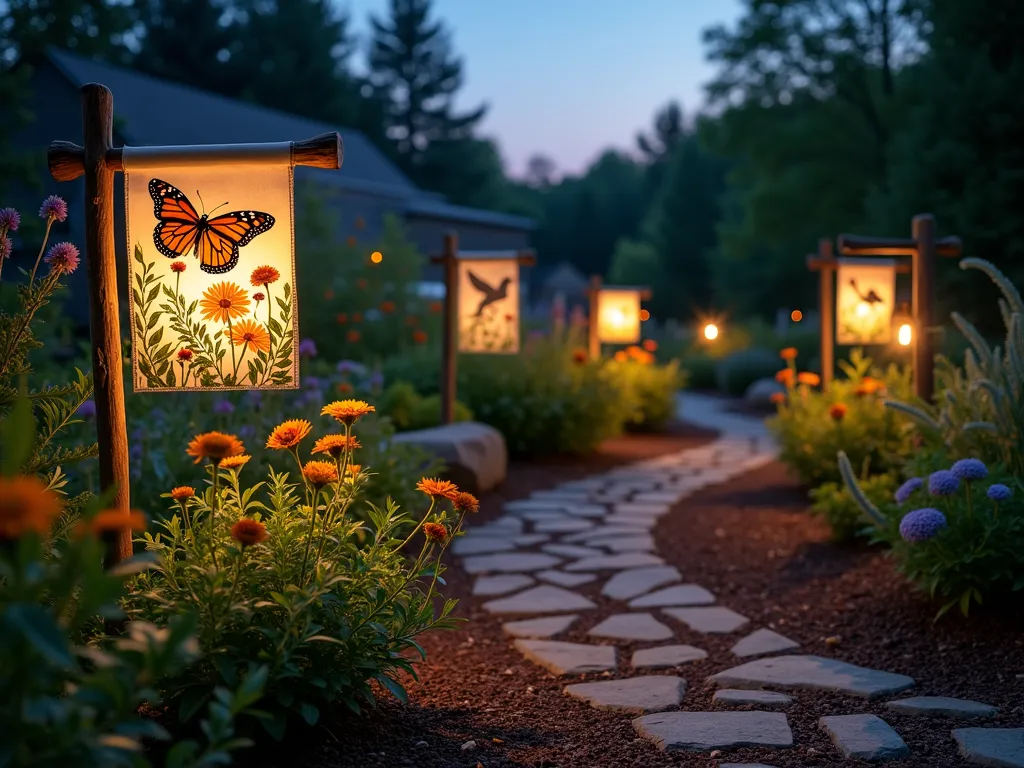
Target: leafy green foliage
408,409
737,371
811,432
835,503
650,390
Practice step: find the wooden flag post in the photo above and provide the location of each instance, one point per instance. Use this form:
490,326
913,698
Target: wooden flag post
922,248
449,260
823,262
98,160
594,296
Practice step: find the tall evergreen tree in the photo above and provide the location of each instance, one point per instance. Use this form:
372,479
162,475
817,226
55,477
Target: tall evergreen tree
659,146
86,27
416,73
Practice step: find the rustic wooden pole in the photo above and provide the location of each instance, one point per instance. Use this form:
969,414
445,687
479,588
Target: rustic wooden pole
104,315
923,295
826,300
593,340
449,359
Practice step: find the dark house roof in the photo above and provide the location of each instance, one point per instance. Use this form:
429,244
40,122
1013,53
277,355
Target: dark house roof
150,111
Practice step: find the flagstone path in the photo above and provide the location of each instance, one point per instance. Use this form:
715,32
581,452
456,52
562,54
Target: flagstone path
529,562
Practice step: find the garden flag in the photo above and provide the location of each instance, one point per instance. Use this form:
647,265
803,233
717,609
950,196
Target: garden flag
866,291
211,249
618,315
488,304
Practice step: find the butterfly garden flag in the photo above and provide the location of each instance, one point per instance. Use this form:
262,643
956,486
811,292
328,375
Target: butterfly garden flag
866,291
618,315
488,301
211,248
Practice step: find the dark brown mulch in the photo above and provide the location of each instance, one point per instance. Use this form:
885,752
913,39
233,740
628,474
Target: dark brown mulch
751,542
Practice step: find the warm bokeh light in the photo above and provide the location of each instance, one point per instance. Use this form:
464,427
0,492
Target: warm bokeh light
618,316
644,315
710,331
905,334
796,315
863,309
376,257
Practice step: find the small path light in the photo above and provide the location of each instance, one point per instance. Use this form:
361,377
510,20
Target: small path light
710,331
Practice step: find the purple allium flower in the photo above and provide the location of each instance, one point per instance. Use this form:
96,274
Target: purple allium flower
54,208
921,524
87,410
224,407
312,382
307,348
62,258
10,219
969,469
377,379
943,483
904,492
351,366
998,492
254,397
247,432
6,246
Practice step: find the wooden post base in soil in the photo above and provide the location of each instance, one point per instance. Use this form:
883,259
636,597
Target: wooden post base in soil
593,339
448,259
922,248
823,262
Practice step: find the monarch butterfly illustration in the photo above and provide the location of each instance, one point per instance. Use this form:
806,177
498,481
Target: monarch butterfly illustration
180,229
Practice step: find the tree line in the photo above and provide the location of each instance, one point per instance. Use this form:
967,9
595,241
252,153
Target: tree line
824,116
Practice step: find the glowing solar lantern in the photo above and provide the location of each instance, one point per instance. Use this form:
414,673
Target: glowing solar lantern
618,316
866,290
903,326
796,315
710,332
488,301
212,267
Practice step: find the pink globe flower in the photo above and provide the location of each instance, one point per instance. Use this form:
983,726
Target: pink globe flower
54,208
10,220
62,258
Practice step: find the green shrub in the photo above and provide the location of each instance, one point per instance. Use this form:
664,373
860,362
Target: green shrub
286,574
650,389
737,371
835,503
699,368
408,409
811,426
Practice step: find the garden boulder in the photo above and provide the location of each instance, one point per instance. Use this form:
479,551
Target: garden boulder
760,392
475,453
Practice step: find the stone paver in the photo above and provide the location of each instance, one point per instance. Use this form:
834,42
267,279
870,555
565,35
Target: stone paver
734,697
665,656
479,545
509,562
585,510
636,695
618,562
998,747
544,598
941,706
568,658
762,641
563,579
632,626
567,525
864,737
681,594
549,626
626,584
813,673
522,505
603,532
642,510
704,731
715,619
529,539
486,586
571,550
642,543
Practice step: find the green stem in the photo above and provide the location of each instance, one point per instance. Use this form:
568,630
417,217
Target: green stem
309,536
238,576
231,343
970,505
42,249
213,514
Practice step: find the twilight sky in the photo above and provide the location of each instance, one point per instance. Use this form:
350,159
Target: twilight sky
569,78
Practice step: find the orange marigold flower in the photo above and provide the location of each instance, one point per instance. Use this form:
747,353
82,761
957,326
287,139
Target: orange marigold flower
110,520
249,332
650,345
320,473
351,471
419,337
288,434
353,336
579,356
411,320
436,307
264,276
621,356
357,317
465,502
335,445
26,505
437,488
387,307
215,446
183,492
837,411
342,318
347,411
435,532
789,353
234,462
778,398
785,376
345,387
249,532
223,302
808,378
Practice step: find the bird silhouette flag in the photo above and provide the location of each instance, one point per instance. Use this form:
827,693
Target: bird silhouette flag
866,290
488,299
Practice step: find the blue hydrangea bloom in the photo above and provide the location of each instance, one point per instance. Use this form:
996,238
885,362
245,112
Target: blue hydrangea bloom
943,483
904,491
969,469
998,492
921,524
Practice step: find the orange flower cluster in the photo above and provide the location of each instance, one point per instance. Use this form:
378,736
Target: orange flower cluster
869,386
110,520
785,376
264,276
465,502
249,532
387,307
639,355
444,489
234,462
320,473
789,353
419,337
837,411
183,492
26,505
335,445
288,434
215,446
435,532
347,412
650,345
808,378
778,398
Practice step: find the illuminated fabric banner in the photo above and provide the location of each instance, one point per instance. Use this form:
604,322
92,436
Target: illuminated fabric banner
618,316
211,249
488,305
866,291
